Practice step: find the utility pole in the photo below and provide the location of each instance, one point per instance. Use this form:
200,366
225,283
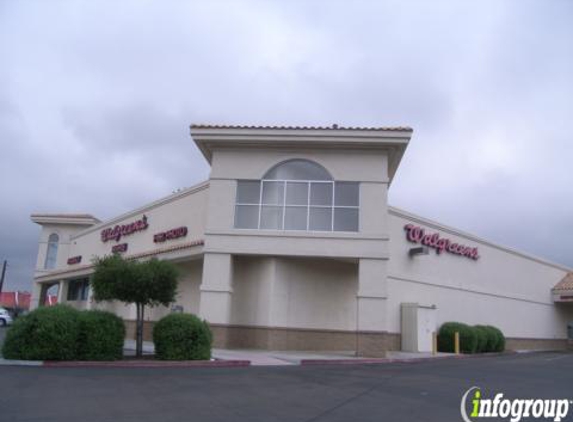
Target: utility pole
3,274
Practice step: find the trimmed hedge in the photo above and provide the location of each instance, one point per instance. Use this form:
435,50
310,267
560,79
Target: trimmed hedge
476,339
101,336
500,339
483,336
63,333
182,337
47,333
468,337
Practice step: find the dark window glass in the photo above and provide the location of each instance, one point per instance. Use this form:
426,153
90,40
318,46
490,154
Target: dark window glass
346,219
247,216
298,170
248,192
346,194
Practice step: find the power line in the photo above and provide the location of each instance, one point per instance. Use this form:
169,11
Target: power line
3,274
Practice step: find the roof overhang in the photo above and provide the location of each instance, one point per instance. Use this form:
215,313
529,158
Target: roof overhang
175,253
563,291
67,219
392,139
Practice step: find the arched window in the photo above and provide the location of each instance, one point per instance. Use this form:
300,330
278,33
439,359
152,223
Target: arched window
297,170
297,195
52,252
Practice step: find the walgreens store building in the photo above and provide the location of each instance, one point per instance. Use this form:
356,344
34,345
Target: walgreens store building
291,244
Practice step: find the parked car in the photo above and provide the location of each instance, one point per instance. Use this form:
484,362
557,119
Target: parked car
5,318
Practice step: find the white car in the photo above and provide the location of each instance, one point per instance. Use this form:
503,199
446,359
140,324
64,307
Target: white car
5,318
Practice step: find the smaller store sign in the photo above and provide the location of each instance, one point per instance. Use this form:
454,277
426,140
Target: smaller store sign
416,234
125,229
74,260
122,247
170,234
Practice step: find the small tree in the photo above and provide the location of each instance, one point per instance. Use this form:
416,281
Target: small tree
145,283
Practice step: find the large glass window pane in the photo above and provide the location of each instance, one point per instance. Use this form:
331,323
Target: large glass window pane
295,218
320,219
297,193
52,252
271,217
78,289
246,216
346,219
321,194
346,194
72,290
248,192
85,290
273,193
298,170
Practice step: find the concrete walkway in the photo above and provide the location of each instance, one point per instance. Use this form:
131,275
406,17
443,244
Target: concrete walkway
288,357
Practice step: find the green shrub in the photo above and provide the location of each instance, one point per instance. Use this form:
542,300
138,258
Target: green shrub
47,333
182,337
483,335
491,338
468,337
500,339
101,336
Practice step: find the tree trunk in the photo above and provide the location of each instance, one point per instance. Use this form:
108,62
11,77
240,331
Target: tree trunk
139,331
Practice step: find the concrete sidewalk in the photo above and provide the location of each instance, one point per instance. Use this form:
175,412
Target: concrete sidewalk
288,357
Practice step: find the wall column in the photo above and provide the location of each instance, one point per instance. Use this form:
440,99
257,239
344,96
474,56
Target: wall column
62,291
217,288
38,295
371,301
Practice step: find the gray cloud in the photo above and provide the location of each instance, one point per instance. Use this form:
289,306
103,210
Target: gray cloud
96,99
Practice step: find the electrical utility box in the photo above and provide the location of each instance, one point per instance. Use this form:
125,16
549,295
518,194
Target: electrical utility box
418,325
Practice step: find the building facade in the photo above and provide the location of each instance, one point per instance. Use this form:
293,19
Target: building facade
291,244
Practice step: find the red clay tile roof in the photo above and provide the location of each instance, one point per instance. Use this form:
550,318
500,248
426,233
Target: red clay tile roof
566,283
21,300
333,127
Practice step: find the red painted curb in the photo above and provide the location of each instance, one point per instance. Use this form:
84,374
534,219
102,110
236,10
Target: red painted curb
149,364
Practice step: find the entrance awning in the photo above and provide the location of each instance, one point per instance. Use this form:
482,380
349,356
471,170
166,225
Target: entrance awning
563,291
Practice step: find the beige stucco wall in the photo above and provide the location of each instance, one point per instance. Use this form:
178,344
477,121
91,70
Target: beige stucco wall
188,296
324,280
503,287
183,209
64,232
368,247
294,293
188,293
230,165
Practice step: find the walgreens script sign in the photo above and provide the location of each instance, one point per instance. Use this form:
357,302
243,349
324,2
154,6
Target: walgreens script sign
416,234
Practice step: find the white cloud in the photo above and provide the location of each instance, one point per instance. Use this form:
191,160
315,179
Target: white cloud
96,99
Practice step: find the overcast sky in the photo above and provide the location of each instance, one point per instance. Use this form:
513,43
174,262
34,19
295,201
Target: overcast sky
96,99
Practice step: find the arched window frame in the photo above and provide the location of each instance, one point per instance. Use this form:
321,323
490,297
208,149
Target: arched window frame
295,203
52,251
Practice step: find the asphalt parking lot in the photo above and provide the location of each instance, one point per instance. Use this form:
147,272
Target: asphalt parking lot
427,391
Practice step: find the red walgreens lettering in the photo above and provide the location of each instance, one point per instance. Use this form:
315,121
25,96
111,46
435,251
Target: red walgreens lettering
416,234
170,234
126,229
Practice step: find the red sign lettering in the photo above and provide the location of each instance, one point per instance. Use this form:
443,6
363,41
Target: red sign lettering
74,260
170,234
122,247
126,229
416,234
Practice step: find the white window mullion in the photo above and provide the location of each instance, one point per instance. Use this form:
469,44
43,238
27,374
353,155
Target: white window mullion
332,207
284,203
308,208
260,204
